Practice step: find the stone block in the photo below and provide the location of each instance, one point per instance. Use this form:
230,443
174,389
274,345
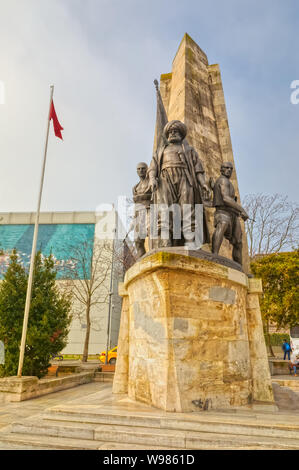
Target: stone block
253,302
18,385
255,286
222,294
188,336
14,389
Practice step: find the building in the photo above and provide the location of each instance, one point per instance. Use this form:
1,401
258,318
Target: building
64,235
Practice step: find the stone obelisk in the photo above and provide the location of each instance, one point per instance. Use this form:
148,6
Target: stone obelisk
191,336
193,93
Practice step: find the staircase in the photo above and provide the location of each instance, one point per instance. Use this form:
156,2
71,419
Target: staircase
86,427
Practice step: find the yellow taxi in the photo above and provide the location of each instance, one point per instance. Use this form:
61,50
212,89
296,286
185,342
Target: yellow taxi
112,356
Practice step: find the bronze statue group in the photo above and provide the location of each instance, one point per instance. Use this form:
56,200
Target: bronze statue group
175,179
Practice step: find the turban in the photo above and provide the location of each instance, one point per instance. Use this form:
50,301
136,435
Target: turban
180,126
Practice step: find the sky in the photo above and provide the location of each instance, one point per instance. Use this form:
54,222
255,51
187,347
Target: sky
102,56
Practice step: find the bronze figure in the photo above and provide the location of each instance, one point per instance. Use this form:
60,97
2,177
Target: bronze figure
142,198
228,211
176,176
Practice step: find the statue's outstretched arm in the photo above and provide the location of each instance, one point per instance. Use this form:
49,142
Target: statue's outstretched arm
229,201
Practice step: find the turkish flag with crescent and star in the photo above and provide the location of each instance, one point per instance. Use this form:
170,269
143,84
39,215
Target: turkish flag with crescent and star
57,127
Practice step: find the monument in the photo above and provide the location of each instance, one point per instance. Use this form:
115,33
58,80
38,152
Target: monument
142,196
177,177
227,214
191,335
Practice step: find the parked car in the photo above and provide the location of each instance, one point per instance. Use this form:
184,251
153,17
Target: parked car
112,356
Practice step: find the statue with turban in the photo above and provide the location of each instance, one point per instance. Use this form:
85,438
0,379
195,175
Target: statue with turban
177,180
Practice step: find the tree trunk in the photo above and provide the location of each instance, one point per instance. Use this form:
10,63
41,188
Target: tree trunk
271,352
86,342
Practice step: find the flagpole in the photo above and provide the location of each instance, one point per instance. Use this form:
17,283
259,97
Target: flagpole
31,269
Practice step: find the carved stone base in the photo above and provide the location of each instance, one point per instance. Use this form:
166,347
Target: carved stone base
191,336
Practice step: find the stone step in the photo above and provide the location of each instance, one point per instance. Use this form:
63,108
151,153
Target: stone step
11,446
32,442
102,417
202,423
142,435
25,441
103,377
290,384
42,427
191,440
48,442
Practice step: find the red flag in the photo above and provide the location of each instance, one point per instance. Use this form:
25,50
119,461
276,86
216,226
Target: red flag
57,127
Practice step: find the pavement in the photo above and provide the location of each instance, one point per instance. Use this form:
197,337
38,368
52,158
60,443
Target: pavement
11,412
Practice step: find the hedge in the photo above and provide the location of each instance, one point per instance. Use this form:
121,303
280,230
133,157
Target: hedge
276,339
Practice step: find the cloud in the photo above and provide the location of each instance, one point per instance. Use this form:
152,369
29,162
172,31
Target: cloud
102,57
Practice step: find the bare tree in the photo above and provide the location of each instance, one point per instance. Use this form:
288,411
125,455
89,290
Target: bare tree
87,274
273,224
272,227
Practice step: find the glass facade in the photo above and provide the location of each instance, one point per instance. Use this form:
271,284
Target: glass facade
60,240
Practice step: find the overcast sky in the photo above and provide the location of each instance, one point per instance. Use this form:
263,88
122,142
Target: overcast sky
102,56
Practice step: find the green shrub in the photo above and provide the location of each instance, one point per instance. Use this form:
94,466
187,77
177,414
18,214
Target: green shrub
280,277
276,339
49,317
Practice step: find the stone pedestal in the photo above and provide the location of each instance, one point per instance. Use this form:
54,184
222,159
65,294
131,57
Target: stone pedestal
191,336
